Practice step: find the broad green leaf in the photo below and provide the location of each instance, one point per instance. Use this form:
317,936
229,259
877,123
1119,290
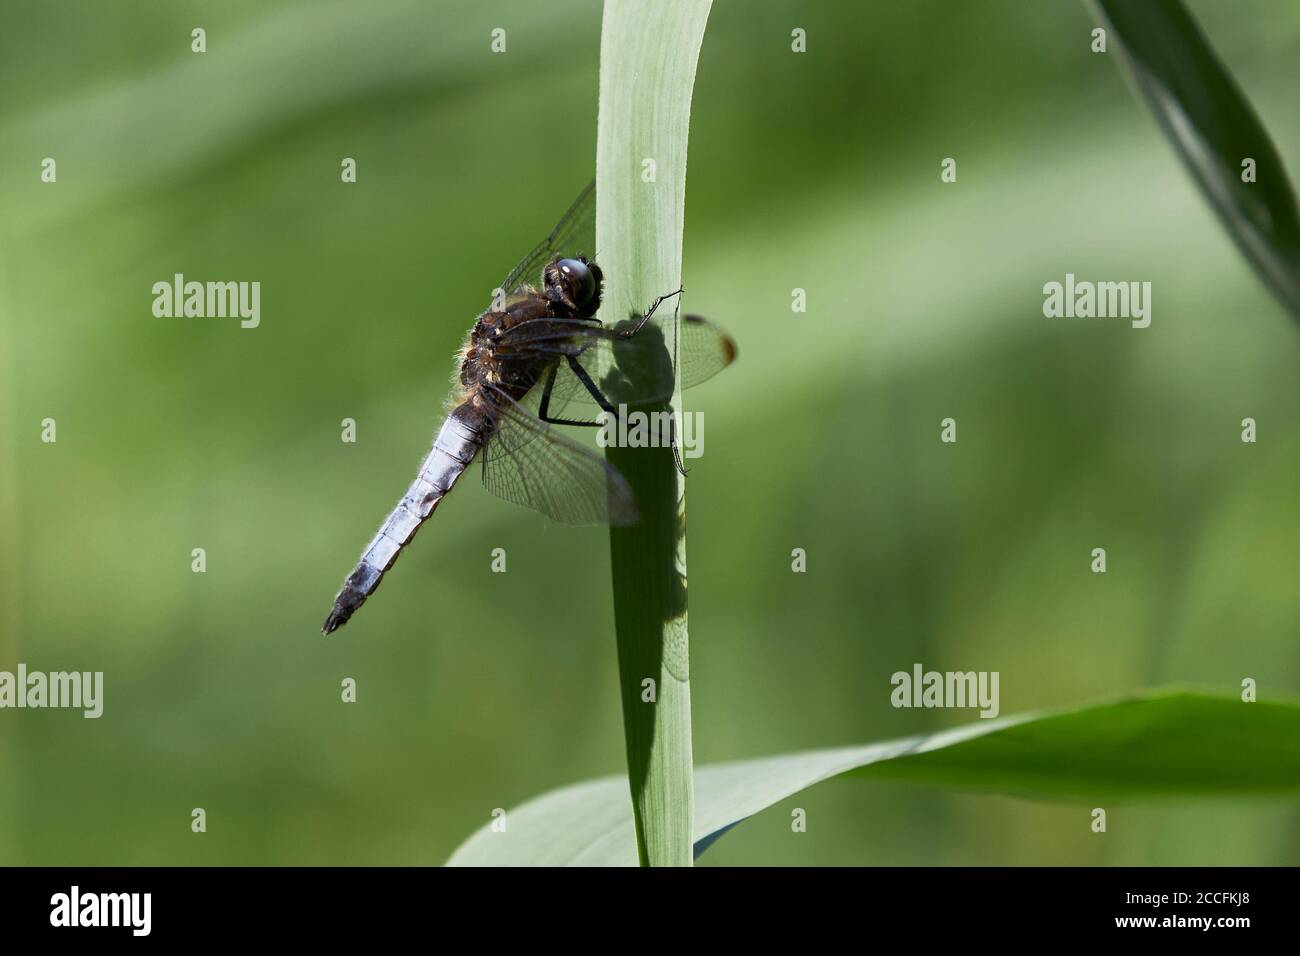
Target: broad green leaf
1215,130
648,53
1160,745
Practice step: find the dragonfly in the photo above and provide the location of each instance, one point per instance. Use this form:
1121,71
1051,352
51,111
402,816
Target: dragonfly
537,358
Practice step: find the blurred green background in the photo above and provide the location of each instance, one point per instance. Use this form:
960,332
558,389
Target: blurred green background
479,690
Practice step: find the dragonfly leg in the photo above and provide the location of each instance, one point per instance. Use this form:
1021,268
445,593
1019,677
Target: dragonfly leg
604,403
544,409
585,379
677,457
651,311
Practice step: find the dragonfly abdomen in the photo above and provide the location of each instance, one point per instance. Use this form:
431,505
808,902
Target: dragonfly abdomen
454,448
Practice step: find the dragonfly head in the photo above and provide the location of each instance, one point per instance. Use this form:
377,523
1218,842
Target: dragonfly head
574,283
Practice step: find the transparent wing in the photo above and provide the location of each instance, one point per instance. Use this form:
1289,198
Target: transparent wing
704,348
573,235
528,463
625,368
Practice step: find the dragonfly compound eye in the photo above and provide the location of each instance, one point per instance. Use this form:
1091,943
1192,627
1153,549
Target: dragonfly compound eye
577,280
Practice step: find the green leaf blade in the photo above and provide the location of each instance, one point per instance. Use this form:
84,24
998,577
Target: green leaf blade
1167,745
1161,746
1213,128
647,74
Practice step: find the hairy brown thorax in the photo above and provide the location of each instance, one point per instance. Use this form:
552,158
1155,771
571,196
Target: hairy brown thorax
488,357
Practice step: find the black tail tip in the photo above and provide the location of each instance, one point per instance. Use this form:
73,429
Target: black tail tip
338,617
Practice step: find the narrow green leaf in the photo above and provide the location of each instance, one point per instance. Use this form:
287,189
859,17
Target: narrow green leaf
648,53
11,593
1214,129
1161,745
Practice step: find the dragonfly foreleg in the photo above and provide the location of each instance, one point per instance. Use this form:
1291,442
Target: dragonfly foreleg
651,311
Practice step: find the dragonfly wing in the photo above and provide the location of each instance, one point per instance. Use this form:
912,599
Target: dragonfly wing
704,349
528,463
628,369
573,235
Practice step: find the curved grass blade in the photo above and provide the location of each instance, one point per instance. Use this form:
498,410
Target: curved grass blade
1214,130
1171,744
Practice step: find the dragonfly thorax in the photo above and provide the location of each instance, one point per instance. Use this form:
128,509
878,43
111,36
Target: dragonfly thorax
493,357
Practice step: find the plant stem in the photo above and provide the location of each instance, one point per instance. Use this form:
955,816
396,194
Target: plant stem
648,54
